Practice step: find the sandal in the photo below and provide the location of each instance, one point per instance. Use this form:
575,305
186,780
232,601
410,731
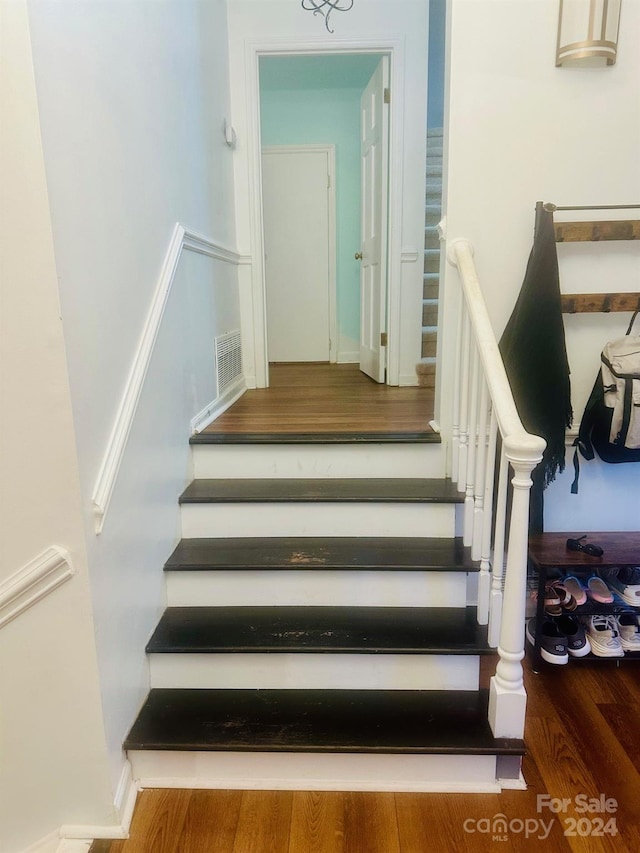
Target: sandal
566,599
575,588
598,591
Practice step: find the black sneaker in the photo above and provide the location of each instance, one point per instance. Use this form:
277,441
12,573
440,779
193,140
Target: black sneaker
578,644
553,643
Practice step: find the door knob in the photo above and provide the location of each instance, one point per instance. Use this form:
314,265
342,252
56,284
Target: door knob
358,256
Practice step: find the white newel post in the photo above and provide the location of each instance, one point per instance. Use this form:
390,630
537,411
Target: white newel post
507,696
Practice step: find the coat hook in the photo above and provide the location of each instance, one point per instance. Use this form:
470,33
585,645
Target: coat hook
606,305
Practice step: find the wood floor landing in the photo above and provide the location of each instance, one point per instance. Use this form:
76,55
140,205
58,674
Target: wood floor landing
326,399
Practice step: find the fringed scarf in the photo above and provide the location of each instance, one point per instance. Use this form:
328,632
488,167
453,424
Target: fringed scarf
535,356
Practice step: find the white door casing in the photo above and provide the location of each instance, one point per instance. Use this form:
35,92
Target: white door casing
299,243
252,285
374,127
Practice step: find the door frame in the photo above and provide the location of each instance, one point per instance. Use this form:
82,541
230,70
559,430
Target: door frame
254,319
330,151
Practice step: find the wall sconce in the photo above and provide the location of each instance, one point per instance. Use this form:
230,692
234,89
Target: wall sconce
588,30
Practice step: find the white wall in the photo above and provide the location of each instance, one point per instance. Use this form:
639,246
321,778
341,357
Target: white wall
132,99
285,23
521,130
53,765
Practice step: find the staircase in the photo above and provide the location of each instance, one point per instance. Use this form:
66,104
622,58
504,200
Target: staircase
431,286
320,630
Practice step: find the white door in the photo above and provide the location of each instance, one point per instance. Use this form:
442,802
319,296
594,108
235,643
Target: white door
374,126
298,240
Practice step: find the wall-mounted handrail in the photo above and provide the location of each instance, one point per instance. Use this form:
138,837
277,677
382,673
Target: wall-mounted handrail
483,407
182,238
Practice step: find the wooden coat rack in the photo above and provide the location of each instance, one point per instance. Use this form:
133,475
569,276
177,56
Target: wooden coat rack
589,232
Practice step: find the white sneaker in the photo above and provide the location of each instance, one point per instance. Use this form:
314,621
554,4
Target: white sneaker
626,582
603,636
629,631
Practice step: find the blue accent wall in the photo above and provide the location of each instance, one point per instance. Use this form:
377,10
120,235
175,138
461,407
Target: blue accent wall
437,39
311,100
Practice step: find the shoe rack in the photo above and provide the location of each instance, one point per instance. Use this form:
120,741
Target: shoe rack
549,558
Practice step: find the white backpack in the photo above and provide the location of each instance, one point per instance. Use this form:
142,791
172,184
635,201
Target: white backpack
610,425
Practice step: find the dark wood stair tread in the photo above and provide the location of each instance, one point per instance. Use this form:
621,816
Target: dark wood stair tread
322,552
426,437
361,490
375,721
373,630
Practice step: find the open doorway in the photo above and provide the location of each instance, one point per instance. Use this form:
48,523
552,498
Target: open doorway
324,130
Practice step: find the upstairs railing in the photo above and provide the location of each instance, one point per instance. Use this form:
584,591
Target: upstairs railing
496,520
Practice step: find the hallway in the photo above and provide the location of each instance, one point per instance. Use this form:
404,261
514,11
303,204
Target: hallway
320,398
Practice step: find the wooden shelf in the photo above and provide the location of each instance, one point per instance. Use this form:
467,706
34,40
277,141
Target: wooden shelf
590,232
603,303
549,550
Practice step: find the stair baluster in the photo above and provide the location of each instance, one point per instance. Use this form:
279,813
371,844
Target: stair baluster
485,578
465,351
481,471
497,574
457,397
473,447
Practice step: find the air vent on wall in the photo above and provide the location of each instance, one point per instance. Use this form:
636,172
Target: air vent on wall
228,359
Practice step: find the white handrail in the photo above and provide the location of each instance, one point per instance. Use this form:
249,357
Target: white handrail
460,254
486,395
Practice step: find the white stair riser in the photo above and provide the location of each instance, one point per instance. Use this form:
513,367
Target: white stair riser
319,671
317,519
212,461
320,588
303,771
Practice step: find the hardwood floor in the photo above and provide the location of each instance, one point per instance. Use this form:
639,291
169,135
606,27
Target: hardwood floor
582,737
324,398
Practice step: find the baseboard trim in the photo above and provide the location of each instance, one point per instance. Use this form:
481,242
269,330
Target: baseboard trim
74,845
182,238
124,802
216,407
126,796
407,379
47,844
518,784
40,576
275,784
348,357
315,771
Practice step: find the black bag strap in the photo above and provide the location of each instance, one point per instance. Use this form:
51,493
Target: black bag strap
633,319
576,469
583,441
